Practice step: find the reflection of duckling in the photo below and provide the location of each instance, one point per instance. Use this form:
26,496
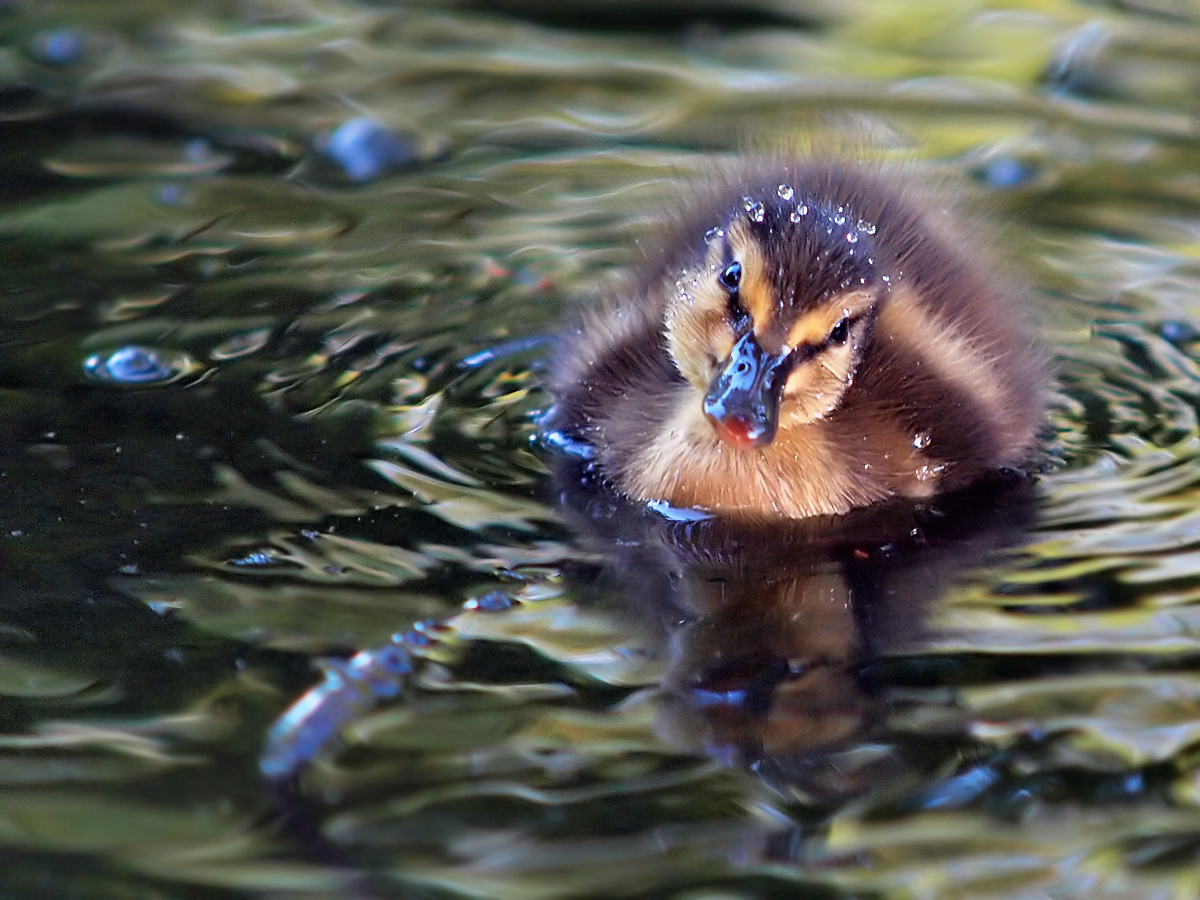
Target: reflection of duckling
813,340
783,639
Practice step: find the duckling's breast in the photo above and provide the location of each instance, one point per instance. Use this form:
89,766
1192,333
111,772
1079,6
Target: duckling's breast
804,472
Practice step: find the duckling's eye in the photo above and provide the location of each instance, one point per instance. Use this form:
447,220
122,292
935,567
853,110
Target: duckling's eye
731,277
840,332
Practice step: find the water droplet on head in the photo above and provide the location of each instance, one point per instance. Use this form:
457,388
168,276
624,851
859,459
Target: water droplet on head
754,209
785,192
921,440
713,233
851,237
865,226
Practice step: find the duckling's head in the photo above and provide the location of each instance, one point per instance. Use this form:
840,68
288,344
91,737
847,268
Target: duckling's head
769,319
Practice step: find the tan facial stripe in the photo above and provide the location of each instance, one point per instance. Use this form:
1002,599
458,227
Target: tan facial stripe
813,327
755,292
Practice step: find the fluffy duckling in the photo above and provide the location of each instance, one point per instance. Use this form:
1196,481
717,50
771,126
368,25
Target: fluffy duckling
810,341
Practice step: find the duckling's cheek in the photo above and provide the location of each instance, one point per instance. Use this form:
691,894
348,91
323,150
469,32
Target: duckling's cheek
814,390
723,340
698,342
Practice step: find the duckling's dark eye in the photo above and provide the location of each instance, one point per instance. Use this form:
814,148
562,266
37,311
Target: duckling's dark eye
731,277
840,332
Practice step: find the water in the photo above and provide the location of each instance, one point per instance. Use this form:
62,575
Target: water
275,280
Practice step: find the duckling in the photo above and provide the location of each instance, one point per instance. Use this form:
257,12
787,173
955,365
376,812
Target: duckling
811,340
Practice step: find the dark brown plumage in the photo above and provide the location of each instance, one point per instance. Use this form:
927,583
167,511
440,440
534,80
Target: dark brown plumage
813,339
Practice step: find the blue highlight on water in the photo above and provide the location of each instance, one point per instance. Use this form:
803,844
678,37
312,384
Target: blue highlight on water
365,149
136,365
350,688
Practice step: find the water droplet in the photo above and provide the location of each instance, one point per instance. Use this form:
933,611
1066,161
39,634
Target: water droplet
714,233
851,237
921,440
135,365
785,192
839,219
754,209
865,227
930,473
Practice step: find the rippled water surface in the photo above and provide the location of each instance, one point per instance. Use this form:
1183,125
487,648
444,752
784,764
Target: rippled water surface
288,608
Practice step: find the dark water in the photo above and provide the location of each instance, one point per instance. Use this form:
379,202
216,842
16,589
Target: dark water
274,279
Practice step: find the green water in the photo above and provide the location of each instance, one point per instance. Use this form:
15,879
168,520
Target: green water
316,432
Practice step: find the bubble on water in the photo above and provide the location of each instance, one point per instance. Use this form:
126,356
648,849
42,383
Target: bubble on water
139,366
365,149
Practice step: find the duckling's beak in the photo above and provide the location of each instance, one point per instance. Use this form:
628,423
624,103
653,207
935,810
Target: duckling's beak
743,399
